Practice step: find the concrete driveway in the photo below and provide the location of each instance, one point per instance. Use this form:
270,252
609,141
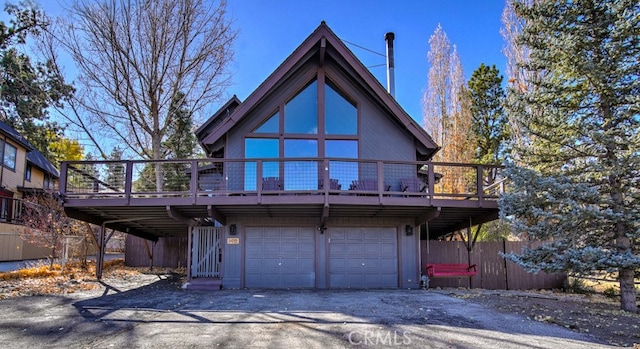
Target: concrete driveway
157,313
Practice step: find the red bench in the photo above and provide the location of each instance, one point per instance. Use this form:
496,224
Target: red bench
450,270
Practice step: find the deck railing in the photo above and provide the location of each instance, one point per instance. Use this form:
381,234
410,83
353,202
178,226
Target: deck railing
224,177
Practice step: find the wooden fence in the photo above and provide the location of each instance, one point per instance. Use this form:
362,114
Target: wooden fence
168,252
494,272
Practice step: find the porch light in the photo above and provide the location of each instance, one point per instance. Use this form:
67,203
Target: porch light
232,229
408,229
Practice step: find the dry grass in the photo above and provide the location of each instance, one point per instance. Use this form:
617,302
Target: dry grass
73,277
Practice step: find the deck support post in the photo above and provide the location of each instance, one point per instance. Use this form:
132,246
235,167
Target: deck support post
100,259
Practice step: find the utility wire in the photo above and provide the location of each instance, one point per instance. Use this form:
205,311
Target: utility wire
364,48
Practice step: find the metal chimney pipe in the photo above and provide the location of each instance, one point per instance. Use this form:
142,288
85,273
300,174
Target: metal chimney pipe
391,77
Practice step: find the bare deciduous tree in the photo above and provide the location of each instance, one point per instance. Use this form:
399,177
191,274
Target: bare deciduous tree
134,58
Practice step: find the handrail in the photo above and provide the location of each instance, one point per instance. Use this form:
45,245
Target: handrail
216,176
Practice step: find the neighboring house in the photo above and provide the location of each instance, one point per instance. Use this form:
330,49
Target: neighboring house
319,179
24,171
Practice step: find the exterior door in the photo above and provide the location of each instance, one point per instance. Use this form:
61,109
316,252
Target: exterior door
363,257
280,257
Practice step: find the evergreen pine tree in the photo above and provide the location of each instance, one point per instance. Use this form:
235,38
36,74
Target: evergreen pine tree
575,182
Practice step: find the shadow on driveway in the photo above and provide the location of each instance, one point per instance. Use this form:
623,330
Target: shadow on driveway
162,315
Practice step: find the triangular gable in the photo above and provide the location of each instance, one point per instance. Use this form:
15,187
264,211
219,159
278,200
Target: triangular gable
317,41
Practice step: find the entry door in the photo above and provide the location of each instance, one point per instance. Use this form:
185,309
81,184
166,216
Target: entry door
280,257
363,258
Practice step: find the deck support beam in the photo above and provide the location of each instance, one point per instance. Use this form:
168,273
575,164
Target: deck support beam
213,212
175,215
431,214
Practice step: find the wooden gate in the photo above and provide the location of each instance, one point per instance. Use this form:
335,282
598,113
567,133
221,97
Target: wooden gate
206,257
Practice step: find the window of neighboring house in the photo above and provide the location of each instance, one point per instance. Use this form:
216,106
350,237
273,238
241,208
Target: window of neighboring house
27,173
48,182
5,205
9,156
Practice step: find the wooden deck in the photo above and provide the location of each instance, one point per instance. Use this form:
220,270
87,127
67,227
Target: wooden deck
125,194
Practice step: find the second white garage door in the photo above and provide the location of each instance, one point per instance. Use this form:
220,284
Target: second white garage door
280,257
363,257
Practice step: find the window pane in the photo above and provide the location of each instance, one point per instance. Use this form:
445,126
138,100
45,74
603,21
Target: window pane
10,156
341,116
260,148
301,112
301,175
270,126
300,148
341,149
344,171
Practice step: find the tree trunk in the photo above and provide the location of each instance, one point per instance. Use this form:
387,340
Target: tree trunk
628,292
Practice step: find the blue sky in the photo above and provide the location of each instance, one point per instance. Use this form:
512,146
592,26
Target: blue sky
270,30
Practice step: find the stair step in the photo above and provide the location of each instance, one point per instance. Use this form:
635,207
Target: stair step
204,284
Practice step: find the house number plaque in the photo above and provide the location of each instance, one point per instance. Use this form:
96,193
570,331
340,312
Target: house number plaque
233,241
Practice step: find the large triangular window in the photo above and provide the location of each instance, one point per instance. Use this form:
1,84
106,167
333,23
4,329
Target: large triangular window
272,125
341,116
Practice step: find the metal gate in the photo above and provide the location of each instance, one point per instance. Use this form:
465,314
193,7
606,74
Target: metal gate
206,257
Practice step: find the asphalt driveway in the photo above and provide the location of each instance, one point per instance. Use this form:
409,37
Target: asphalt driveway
157,313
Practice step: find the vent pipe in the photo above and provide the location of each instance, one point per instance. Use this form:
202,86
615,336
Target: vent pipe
391,78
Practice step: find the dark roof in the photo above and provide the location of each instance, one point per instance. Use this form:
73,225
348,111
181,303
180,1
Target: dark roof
34,157
9,131
215,120
317,41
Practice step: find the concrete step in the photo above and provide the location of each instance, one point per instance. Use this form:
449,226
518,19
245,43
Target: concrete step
204,284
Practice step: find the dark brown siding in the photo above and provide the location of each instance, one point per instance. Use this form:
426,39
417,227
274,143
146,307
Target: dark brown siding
493,271
168,252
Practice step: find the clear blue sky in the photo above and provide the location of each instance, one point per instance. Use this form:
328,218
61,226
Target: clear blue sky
270,30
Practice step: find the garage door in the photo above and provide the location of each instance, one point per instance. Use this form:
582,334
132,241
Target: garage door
279,257
363,257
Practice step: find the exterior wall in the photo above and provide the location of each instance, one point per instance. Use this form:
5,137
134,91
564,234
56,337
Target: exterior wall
37,179
14,248
234,254
11,179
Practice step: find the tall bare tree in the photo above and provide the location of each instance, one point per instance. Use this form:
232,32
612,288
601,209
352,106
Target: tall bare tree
435,103
446,111
135,57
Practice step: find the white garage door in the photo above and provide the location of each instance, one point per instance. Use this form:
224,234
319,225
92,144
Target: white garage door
363,257
280,257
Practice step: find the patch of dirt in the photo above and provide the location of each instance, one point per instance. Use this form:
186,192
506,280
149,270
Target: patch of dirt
592,314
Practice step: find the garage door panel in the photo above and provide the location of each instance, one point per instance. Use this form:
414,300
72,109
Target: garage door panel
354,250
363,257
278,257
